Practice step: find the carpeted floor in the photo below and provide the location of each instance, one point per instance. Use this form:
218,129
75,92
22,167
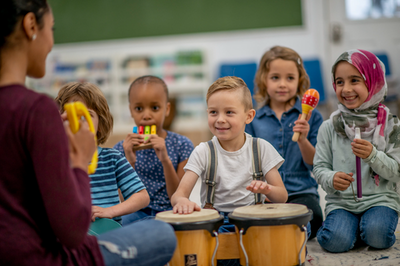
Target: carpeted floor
361,256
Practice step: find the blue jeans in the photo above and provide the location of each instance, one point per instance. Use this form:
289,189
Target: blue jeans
342,229
145,243
143,214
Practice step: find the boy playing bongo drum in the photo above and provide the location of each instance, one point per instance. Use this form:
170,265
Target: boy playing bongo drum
229,108
236,169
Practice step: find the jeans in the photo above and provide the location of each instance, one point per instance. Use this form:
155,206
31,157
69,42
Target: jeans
145,243
342,229
312,202
143,214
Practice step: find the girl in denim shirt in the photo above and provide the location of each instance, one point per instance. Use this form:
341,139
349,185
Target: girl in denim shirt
281,81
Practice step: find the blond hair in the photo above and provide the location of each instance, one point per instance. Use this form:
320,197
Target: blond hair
94,99
231,83
284,53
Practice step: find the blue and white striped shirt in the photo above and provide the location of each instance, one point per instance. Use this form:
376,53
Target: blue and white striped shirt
113,172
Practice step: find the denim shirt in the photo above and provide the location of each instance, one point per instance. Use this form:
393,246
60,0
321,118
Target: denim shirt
295,173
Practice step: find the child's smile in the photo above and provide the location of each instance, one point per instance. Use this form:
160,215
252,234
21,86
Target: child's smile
351,90
227,118
221,129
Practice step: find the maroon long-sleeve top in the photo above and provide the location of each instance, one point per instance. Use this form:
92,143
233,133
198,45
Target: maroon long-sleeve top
45,206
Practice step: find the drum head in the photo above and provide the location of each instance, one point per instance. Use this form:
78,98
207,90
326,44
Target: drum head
196,216
270,214
205,219
270,210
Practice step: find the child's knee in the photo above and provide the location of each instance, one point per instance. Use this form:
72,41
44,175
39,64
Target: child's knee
378,236
335,241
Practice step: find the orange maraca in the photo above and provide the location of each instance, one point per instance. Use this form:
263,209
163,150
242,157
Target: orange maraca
308,103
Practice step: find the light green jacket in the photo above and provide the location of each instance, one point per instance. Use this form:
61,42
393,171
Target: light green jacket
334,154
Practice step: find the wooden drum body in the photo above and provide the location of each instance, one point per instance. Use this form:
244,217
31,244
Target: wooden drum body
197,236
272,234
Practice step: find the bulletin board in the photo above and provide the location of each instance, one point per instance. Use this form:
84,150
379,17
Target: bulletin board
92,20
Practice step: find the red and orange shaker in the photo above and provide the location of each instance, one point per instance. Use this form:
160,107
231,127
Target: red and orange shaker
308,103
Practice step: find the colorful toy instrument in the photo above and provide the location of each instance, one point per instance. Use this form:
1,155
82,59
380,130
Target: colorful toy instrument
146,131
75,111
358,167
308,103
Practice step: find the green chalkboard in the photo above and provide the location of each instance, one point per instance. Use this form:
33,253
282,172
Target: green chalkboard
91,20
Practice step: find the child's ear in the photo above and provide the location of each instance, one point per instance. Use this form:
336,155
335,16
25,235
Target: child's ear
250,116
167,109
131,109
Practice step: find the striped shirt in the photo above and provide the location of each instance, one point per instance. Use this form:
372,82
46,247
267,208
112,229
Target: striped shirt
113,172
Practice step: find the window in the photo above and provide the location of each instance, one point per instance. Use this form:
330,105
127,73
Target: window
372,9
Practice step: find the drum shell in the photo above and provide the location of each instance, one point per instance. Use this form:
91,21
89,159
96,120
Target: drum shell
275,241
195,239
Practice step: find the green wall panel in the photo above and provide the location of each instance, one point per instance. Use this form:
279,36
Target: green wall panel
91,20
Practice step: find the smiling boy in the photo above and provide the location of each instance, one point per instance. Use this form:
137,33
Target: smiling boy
229,109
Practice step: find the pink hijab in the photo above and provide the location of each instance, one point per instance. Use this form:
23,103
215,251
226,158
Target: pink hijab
372,117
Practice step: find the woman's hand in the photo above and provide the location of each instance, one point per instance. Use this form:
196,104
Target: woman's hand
81,145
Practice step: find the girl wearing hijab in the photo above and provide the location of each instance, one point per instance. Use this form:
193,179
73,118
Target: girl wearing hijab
359,82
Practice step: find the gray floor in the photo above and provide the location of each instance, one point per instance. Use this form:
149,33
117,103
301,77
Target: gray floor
362,256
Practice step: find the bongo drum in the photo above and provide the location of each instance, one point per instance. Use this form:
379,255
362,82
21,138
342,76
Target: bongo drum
272,234
197,236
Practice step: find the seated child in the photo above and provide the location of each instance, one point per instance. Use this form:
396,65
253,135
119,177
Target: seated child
113,170
229,110
359,82
161,167
281,82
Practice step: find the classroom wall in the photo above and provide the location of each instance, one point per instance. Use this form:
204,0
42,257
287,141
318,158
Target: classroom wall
240,46
222,47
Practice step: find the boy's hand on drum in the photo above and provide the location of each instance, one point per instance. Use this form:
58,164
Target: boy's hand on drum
302,126
159,147
99,212
258,186
361,148
131,140
341,181
81,145
185,206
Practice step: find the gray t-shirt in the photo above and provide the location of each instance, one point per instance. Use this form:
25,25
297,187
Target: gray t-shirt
234,172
